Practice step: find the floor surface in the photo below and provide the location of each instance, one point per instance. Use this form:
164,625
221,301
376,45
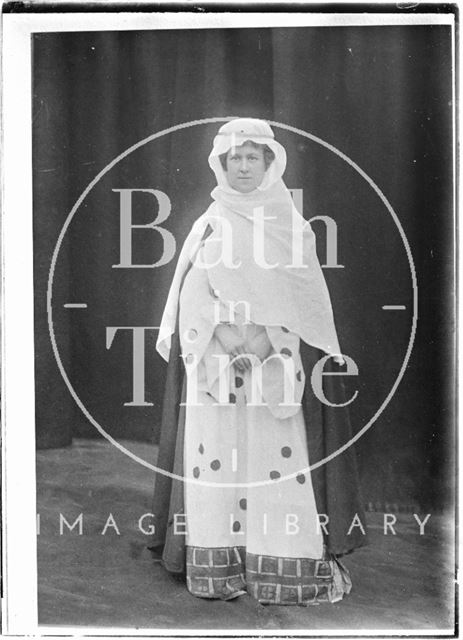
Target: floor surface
402,581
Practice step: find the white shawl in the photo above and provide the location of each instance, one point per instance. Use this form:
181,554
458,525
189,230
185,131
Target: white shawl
294,297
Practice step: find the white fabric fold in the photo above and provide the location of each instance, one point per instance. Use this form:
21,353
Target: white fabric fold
294,294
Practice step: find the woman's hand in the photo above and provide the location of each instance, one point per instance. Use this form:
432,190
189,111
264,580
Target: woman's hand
260,345
234,345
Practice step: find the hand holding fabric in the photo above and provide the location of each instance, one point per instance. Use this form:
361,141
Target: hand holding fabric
234,345
259,344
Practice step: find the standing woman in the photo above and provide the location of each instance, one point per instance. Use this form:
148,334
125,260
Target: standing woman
247,318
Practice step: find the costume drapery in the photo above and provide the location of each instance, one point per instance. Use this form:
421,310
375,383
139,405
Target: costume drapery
292,305
304,306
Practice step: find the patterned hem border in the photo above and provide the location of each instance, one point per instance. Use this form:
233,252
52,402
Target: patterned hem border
227,572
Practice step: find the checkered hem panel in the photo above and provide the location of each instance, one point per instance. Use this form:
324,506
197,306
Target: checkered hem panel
216,573
229,571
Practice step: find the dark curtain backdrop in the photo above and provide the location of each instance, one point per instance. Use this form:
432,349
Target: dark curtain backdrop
382,95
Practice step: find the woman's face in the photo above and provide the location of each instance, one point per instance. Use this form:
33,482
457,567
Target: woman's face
245,168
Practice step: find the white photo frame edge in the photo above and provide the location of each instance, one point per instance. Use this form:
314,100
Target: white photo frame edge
19,550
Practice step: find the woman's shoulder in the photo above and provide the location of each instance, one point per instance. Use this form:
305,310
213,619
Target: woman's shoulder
204,221
200,229
204,218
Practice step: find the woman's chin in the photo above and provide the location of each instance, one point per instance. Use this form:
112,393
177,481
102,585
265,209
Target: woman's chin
244,188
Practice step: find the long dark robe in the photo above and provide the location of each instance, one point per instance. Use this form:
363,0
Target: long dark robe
336,483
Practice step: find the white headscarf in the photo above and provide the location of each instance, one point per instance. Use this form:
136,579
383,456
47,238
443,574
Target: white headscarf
234,134
294,297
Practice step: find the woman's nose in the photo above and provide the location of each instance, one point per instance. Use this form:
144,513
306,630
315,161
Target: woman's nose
244,165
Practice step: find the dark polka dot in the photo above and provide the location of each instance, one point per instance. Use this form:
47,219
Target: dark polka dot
300,478
196,472
232,398
286,352
285,329
299,376
243,504
286,452
236,526
215,465
238,382
201,448
274,475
